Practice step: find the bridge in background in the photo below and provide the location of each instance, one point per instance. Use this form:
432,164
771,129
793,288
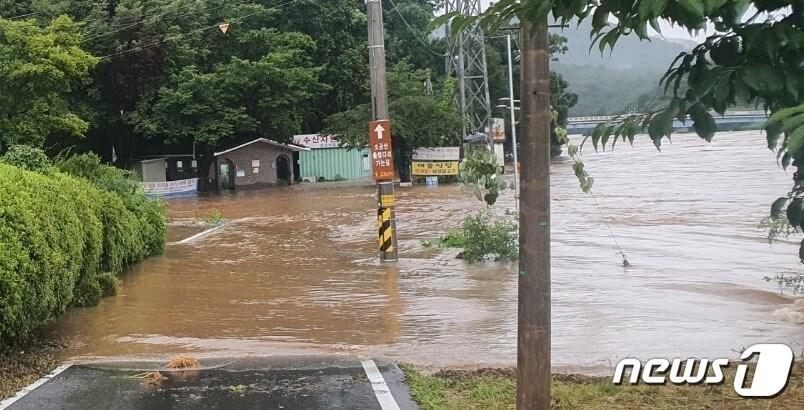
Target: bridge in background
732,119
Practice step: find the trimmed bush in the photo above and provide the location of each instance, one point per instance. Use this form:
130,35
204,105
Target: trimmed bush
25,157
63,240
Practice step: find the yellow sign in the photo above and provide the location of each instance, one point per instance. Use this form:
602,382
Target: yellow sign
387,201
436,168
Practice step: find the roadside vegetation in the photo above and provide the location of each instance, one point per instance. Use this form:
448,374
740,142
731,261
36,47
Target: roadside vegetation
68,228
21,366
482,237
496,389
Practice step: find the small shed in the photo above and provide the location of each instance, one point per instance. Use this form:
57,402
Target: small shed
168,174
260,162
327,160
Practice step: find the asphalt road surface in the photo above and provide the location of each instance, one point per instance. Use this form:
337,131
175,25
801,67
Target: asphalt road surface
286,382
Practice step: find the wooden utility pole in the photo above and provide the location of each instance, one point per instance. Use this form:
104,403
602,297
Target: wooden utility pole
380,134
533,344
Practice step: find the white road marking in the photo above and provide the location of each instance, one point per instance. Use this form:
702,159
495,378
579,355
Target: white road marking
199,235
381,389
9,401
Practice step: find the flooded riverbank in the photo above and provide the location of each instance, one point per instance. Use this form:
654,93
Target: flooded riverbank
296,270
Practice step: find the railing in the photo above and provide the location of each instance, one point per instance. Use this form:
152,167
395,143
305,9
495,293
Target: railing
605,118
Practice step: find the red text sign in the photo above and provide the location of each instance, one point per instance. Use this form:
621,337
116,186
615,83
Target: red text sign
381,151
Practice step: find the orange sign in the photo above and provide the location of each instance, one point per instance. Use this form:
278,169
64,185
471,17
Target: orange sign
381,150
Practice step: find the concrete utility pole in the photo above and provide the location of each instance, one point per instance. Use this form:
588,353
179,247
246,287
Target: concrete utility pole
379,130
533,344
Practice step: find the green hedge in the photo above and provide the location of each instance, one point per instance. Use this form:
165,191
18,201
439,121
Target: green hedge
63,240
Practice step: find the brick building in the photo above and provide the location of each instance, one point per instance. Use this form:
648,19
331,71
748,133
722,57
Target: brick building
261,162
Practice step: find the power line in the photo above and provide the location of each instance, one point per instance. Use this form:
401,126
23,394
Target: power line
154,17
626,263
233,21
412,31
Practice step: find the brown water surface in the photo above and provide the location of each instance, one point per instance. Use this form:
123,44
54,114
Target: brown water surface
296,270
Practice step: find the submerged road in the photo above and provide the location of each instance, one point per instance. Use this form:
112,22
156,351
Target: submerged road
253,383
296,270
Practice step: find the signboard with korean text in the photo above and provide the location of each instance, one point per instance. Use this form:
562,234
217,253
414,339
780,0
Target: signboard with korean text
382,159
436,168
437,154
497,130
315,141
184,186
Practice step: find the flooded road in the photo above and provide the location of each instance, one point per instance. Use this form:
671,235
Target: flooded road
296,270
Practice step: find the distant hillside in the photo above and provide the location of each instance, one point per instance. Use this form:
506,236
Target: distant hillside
629,52
605,91
610,83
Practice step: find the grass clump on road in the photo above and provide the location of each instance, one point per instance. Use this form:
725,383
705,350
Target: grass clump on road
183,362
496,389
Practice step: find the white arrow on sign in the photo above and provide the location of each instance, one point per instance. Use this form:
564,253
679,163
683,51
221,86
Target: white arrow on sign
379,130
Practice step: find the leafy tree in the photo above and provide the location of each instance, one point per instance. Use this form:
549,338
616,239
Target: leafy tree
407,24
39,68
338,28
418,119
239,99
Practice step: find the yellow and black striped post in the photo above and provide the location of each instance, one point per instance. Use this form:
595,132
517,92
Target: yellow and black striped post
386,218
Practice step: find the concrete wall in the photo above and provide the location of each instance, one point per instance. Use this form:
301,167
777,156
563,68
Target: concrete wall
266,154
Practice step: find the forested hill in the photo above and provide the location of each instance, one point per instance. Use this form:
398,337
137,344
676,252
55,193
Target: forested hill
630,53
610,83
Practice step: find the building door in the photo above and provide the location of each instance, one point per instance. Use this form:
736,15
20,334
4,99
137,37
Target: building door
226,175
296,167
366,164
283,170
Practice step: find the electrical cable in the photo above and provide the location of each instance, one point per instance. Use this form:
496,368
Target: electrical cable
233,21
410,28
611,232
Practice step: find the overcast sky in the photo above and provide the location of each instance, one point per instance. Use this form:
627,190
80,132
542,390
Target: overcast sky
668,30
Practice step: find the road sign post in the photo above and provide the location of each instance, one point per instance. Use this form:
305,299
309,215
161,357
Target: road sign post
380,134
382,161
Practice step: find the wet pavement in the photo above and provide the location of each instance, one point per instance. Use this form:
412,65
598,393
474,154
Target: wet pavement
241,383
295,271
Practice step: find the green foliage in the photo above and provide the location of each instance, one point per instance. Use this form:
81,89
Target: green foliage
238,97
213,217
480,170
561,100
25,157
64,240
39,68
484,237
453,239
418,118
149,214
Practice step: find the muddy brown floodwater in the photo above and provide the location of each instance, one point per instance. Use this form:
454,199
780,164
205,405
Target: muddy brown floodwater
296,270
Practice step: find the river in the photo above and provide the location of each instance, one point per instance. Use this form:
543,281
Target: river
296,271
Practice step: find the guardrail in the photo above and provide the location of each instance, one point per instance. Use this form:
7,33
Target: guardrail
605,118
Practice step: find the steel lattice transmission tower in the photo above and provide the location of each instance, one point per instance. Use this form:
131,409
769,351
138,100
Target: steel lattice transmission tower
466,60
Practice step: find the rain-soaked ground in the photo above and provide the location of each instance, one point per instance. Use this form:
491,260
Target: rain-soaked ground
296,270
